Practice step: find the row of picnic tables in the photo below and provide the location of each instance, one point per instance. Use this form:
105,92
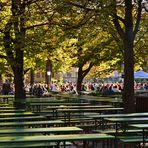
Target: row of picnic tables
20,122
98,112
136,122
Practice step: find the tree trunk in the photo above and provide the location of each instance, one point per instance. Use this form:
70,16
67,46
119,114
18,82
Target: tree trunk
81,75
128,92
79,80
18,26
48,74
1,81
20,95
31,77
127,34
128,41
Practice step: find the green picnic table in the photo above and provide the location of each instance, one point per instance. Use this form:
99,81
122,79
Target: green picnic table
22,118
3,105
38,100
128,120
57,138
41,123
144,128
11,111
68,112
101,117
6,98
119,115
53,130
113,101
6,107
37,106
16,114
125,121
55,111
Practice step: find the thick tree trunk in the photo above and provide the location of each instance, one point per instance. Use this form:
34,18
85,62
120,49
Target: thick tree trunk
18,20
127,34
20,95
128,40
128,92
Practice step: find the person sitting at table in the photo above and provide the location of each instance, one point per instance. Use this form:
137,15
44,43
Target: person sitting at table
39,91
107,91
115,88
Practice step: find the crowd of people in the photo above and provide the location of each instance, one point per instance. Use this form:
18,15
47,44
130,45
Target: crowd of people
69,87
41,89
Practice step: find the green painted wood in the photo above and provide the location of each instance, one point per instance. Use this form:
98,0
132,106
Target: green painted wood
113,131
3,111
128,120
40,130
140,126
56,138
6,107
79,107
132,140
3,105
32,144
56,104
6,96
90,110
24,118
119,115
30,123
16,114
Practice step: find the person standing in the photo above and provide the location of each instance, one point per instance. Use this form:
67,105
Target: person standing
6,88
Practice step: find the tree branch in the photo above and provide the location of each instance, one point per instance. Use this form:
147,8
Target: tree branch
80,6
85,72
2,56
118,27
138,18
25,71
116,19
37,25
